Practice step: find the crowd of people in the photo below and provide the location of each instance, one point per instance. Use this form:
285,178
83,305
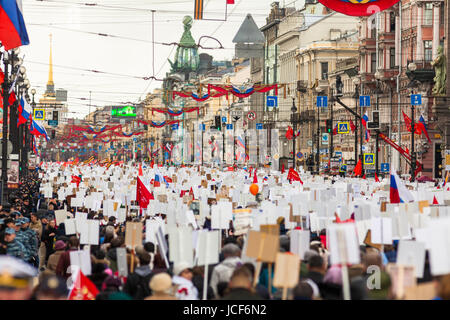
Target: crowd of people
35,254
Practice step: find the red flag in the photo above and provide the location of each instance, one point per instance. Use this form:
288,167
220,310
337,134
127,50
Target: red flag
12,98
230,168
335,130
152,163
435,200
289,133
293,175
83,289
358,168
376,178
407,150
77,180
255,177
140,170
364,177
230,1
169,180
143,196
352,126
191,193
282,169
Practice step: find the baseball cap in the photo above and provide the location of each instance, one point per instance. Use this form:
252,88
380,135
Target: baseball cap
10,231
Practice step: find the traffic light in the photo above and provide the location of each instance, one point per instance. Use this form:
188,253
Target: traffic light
55,115
53,134
217,123
329,125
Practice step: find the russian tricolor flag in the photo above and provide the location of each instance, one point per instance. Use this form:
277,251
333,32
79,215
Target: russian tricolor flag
398,191
24,112
38,130
13,32
364,120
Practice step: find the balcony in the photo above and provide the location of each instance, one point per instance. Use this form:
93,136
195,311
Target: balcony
424,71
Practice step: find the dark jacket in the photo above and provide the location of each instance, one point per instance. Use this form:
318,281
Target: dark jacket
64,263
49,240
316,277
241,294
137,285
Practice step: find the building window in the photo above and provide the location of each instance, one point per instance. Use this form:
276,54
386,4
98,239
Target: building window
373,31
392,21
428,45
428,14
392,58
324,70
373,62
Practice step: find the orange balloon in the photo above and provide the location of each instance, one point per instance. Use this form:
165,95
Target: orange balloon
254,189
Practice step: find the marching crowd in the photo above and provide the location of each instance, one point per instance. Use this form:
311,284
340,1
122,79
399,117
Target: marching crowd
35,262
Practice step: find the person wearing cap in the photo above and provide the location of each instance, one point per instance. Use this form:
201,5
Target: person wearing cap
14,248
32,240
161,286
15,279
23,238
182,279
51,287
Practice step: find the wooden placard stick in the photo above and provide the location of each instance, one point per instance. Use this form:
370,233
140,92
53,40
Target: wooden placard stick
270,279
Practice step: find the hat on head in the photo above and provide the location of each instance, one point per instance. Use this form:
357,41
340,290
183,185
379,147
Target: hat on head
19,222
10,231
161,282
14,273
53,285
25,220
180,267
2,221
60,245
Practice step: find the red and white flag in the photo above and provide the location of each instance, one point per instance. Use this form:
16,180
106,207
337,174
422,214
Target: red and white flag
83,288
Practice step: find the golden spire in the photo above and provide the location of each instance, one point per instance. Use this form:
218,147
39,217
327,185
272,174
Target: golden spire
50,68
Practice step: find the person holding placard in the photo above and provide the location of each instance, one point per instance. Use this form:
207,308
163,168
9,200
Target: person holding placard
240,286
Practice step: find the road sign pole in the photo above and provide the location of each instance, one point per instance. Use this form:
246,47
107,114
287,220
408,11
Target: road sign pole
413,154
5,131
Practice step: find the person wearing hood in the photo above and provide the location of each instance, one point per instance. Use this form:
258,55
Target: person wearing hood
182,279
223,271
137,285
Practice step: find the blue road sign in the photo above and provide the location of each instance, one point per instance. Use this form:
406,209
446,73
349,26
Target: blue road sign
229,126
259,126
343,168
369,158
272,101
322,101
364,101
224,119
201,127
338,154
175,126
53,123
385,167
343,127
416,99
299,155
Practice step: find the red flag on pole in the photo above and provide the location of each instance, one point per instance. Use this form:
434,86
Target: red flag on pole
191,193
289,133
140,170
230,1
358,169
143,196
352,126
435,200
83,288
282,169
255,177
293,175
376,178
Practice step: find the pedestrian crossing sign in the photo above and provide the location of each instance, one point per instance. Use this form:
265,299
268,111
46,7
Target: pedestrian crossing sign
369,158
343,168
343,127
39,114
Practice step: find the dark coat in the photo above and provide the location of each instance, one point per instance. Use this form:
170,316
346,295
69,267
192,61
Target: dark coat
241,294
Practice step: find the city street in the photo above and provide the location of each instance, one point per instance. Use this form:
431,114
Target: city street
224,150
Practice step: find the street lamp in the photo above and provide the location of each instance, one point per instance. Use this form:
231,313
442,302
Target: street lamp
356,82
378,77
412,67
318,90
294,125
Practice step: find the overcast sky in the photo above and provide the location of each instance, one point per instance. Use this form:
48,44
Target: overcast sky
125,60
